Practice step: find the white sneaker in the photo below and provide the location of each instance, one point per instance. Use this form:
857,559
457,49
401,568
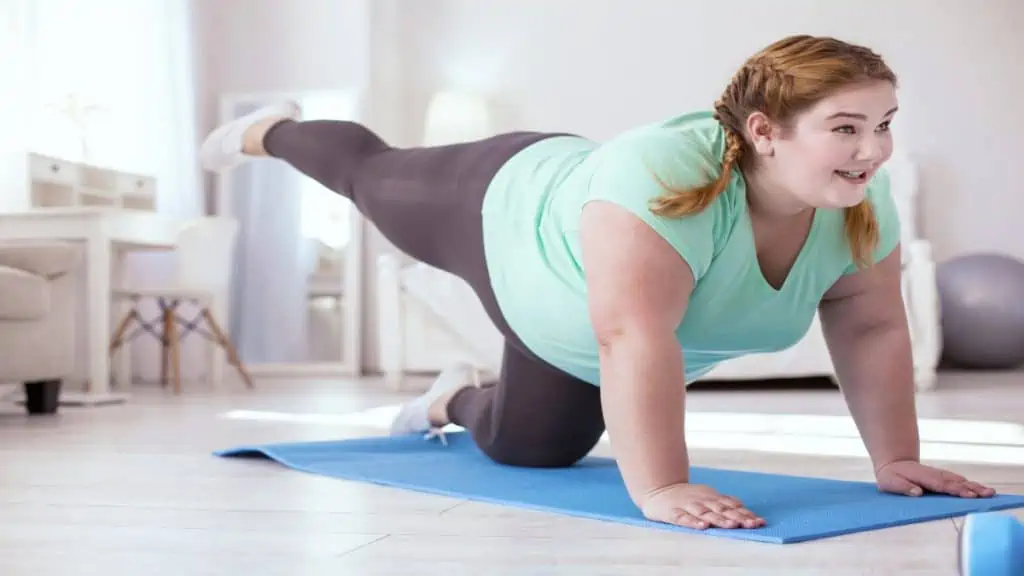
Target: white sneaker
413,417
222,148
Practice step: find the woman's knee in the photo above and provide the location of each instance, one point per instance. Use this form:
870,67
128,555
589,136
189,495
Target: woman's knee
545,454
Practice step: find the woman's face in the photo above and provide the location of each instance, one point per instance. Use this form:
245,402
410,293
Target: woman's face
828,154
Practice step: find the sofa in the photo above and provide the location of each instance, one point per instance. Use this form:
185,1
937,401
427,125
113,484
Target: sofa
37,311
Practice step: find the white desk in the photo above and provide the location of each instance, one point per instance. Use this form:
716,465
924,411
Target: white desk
105,233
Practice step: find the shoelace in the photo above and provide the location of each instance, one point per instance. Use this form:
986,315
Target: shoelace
438,432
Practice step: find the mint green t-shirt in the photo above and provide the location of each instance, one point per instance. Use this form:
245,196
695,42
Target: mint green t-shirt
531,218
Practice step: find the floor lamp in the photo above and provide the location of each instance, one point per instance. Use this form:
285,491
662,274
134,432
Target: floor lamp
456,117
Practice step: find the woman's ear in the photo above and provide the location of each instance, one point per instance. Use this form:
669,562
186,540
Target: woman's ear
761,132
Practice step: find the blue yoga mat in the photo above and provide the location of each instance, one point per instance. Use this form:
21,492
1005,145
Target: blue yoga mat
795,508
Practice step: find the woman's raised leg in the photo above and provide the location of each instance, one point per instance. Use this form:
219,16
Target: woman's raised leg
427,202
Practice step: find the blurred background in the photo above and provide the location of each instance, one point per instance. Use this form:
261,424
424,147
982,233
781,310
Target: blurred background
131,87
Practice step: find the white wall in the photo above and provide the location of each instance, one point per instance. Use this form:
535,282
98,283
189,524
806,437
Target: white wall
267,45
600,66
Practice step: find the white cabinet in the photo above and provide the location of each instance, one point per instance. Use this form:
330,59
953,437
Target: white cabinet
56,182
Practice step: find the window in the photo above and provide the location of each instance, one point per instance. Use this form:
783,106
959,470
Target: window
96,80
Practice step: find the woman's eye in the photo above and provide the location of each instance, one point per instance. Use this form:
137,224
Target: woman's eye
845,130
884,126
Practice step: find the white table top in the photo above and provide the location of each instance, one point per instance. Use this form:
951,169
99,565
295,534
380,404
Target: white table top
135,228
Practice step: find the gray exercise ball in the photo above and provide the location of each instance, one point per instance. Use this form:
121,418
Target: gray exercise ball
982,299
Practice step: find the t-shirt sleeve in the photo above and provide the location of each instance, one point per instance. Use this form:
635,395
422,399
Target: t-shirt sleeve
632,173
887,215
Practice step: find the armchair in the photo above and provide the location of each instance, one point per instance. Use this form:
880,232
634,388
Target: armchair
37,310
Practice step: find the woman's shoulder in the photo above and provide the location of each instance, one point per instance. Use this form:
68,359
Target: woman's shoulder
694,140
680,152
649,162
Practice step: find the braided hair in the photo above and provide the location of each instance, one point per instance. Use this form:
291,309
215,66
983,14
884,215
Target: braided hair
781,81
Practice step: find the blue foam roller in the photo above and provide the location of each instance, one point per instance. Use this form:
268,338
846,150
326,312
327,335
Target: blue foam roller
795,508
992,544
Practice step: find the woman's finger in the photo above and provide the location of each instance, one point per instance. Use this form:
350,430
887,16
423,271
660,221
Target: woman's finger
899,485
731,502
718,506
745,517
687,520
980,489
719,520
697,509
946,485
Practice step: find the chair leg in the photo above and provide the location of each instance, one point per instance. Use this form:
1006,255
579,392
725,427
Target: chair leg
223,341
42,396
117,340
165,348
174,343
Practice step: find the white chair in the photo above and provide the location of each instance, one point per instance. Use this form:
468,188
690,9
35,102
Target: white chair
205,254
920,286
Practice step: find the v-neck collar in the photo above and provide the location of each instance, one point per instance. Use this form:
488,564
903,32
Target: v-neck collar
748,227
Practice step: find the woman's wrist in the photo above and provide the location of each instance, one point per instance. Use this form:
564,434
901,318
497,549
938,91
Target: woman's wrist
643,396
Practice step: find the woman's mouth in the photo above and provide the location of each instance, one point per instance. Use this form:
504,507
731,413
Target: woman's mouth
855,177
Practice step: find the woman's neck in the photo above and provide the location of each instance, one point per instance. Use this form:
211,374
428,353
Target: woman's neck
767,199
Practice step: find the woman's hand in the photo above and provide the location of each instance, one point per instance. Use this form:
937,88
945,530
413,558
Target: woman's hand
914,479
697,506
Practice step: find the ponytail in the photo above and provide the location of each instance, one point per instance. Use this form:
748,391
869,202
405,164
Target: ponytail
679,203
861,232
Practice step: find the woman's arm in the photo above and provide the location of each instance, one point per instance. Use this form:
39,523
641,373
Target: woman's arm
865,327
638,288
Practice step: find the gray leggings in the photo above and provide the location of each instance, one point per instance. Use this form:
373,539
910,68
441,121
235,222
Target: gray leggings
427,202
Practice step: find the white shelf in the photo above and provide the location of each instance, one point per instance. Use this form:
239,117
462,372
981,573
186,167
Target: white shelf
56,182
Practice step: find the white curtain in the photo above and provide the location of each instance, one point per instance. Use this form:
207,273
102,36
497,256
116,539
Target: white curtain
15,101
269,296
112,83
124,67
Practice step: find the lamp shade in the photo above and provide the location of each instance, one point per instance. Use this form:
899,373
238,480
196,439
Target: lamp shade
456,117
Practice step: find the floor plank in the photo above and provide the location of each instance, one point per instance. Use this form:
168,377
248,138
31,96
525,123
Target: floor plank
136,488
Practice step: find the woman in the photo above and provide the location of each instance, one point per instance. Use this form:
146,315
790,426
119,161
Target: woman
618,272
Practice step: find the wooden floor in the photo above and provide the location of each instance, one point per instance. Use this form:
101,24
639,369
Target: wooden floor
134,488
